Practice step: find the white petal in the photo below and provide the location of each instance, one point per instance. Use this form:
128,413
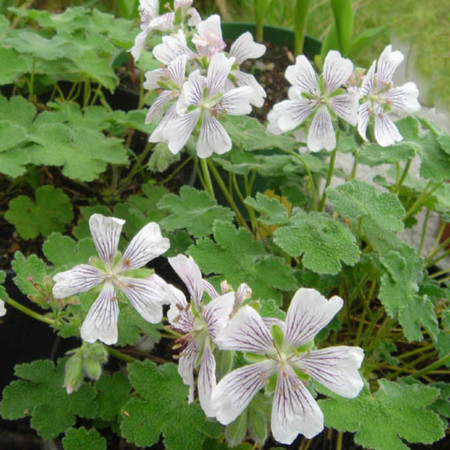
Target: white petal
158,133
272,120
217,313
177,69
81,278
182,4
302,75
194,17
336,71
209,40
178,130
139,44
243,293
207,379
210,289
148,9
367,85
171,47
101,320
235,391
163,22
308,313
404,98
386,133
179,315
292,113
346,107
363,119
153,78
237,101
147,295
213,138
321,133
335,367
2,308
191,93
246,79
387,63
186,365
189,272
145,246
106,234
218,71
246,332
294,410
157,107
244,47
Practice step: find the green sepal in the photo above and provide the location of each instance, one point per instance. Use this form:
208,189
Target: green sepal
93,369
235,432
73,377
272,384
305,347
254,357
278,335
96,262
302,375
224,362
139,273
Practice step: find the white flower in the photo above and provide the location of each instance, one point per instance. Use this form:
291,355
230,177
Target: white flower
242,49
379,98
172,46
208,41
308,97
203,99
285,351
2,308
201,324
147,295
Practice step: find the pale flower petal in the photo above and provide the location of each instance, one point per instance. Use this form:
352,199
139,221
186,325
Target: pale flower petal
218,71
209,40
308,313
81,278
217,313
186,366
139,44
191,93
237,101
346,107
2,308
368,83
404,98
145,246
363,119
207,379
334,367
387,64
210,289
178,130
171,47
106,234
177,69
101,320
182,4
179,314
247,79
244,47
321,133
302,75
235,391
213,138
386,133
194,17
153,78
336,71
291,113
294,410
158,133
246,332
157,107
163,22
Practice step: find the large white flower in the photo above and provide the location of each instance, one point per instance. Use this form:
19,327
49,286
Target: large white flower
285,352
147,295
204,99
307,96
200,325
379,98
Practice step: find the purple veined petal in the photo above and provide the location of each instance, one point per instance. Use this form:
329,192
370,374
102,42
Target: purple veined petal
210,289
179,314
153,78
336,71
367,85
404,98
164,22
387,63
235,391
302,75
139,44
186,365
237,101
246,79
364,114
334,367
292,113
189,272
244,47
346,107
101,320
308,313
147,295
321,132
194,17
106,234
213,138
148,10
158,133
218,71
386,133
178,130
191,92
81,278
145,246
177,70
246,332
209,40
294,410
171,47
207,379
244,292
217,313
182,4
157,107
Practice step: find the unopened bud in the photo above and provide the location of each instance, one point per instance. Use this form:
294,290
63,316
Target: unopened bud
73,378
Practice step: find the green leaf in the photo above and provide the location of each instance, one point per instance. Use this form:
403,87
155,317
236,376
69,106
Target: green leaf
359,199
113,392
366,39
193,210
162,408
374,155
17,110
40,395
324,242
80,438
64,252
271,210
395,412
3,293
26,269
12,65
50,213
240,259
11,134
399,293
435,162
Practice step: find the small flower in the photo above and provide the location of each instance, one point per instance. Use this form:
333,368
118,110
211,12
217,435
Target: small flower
204,99
307,97
200,325
285,352
208,41
172,46
2,308
379,98
147,295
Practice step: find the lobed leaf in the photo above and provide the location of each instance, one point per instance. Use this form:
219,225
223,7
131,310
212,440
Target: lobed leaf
80,438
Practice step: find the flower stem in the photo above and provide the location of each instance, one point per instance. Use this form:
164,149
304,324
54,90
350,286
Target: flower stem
424,232
329,177
207,177
187,160
120,355
422,198
29,312
402,177
431,367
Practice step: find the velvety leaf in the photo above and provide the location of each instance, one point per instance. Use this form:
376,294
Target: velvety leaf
65,253
28,269
12,65
11,134
113,392
271,210
80,438
26,41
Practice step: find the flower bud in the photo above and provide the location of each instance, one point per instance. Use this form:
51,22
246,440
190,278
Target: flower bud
73,378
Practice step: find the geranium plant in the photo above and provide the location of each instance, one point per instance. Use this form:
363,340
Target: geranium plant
257,299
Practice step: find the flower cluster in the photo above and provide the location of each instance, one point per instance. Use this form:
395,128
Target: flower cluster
198,83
